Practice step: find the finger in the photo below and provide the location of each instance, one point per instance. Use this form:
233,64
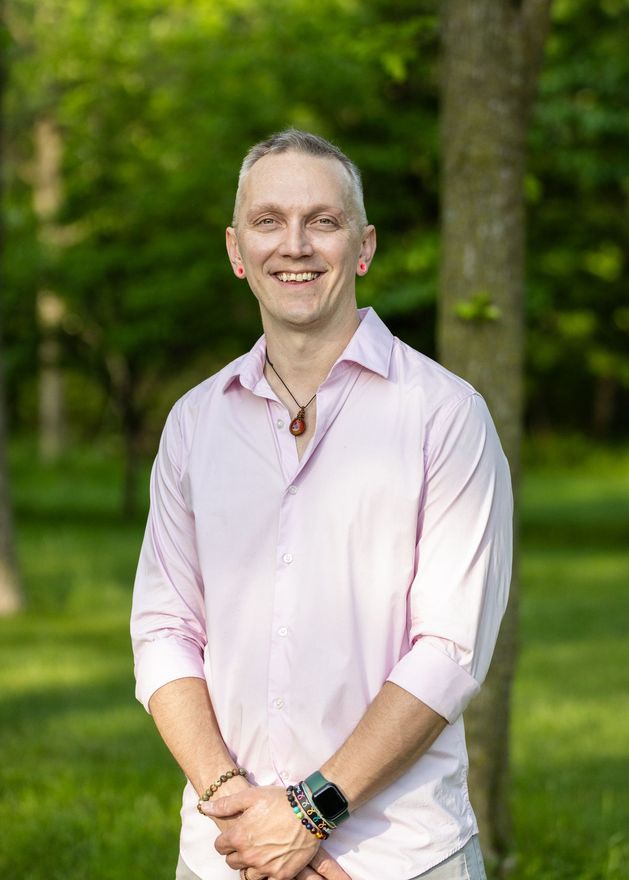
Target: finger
307,873
251,874
228,806
223,845
236,862
327,867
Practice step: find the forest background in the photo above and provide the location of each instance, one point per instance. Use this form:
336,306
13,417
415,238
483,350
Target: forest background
124,125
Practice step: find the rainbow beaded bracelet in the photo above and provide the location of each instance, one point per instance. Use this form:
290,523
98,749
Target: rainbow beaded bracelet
308,816
309,808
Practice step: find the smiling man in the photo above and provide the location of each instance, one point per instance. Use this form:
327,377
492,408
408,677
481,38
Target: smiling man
325,566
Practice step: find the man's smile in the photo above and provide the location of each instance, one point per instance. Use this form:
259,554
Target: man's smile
296,277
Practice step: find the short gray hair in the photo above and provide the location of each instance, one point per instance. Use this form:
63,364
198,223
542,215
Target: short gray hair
293,139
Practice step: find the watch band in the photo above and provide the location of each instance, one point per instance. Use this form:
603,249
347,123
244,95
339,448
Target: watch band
316,783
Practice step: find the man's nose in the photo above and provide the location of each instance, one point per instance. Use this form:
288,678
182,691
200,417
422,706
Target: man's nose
295,241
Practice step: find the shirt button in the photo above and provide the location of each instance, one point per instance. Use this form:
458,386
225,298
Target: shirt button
284,774
292,490
279,703
287,558
280,423
282,631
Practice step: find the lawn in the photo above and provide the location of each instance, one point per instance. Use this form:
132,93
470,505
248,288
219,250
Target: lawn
571,701
87,790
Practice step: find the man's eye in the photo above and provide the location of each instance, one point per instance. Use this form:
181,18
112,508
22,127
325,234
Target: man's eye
325,221
266,221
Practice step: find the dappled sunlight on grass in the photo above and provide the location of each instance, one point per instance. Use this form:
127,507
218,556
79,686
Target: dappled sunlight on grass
62,652
88,791
571,701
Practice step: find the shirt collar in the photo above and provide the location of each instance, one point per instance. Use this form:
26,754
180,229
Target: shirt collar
370,347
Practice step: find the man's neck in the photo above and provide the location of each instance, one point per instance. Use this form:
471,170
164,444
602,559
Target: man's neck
304,357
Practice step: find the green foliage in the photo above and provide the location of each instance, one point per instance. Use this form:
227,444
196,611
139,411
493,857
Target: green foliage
578,220
156,104
479,308
87,790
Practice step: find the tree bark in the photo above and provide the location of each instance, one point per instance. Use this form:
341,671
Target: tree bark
604,407
131,425
11,596
52,431
124,392
491,55
50,307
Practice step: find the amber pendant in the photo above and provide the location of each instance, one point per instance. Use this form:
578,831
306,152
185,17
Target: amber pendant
298,425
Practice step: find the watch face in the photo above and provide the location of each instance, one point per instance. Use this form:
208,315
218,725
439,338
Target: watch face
329,801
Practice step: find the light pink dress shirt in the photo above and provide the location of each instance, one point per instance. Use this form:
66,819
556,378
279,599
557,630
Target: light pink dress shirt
296,588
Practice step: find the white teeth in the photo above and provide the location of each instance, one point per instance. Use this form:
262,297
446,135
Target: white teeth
297,276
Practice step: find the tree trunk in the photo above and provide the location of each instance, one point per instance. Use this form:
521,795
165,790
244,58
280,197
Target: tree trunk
11,596
50,311
124,393
492,52
132,433
50,308
604,407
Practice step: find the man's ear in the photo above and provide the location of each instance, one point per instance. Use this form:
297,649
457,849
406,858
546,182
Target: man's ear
367,250
233,251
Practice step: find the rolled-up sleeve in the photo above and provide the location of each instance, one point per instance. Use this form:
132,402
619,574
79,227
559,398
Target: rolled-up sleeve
463,560
167,618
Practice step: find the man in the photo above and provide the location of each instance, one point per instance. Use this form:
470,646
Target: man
325,565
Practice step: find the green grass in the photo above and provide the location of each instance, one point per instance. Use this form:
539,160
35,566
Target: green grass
571,700
87,790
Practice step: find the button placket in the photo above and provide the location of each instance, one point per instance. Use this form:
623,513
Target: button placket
279,419
285,594
285,598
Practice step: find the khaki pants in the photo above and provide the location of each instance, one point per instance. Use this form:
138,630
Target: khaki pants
466,864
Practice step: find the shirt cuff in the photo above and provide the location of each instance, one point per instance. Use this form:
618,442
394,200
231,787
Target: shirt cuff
164,660
429,674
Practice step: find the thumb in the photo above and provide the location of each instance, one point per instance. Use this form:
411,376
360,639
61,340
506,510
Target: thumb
227,806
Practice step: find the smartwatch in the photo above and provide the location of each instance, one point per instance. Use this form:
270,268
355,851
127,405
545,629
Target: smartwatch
327,798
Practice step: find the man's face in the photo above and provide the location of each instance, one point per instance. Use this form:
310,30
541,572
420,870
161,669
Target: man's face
299,239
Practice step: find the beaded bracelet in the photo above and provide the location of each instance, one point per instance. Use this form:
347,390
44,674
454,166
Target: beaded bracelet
308,795
209,792
309,809
312,821
305,799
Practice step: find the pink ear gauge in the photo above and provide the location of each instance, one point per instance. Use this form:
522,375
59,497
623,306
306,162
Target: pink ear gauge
240,271
363,267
